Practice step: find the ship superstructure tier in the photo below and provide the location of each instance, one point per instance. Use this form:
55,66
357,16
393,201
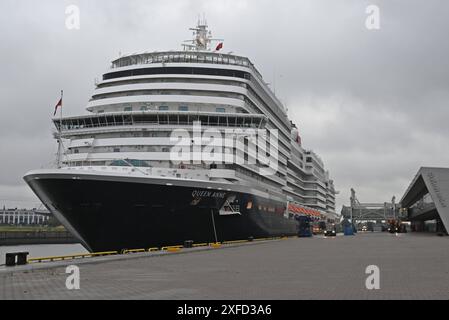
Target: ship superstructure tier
145,96
123,149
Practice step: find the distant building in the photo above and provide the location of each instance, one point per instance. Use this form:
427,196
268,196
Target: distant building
426,201
23,216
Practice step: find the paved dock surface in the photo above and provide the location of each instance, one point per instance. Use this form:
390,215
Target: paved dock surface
412,266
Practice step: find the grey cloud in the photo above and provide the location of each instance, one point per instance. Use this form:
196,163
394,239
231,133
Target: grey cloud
373,104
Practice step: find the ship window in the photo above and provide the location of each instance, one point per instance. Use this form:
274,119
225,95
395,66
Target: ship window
116,149
173,119
100,111
163,108
128,109
183,108
220,110
143,108
163,119
179,70
213,121
183,120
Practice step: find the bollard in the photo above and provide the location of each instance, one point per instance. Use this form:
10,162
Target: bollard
22,258
250,239
188,244
10,259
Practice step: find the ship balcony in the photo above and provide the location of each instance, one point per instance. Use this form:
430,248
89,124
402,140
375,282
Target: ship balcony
306,188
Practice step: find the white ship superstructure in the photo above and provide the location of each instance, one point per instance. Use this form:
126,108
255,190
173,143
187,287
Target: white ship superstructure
145,96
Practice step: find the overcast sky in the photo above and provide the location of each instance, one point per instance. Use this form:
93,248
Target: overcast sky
372,103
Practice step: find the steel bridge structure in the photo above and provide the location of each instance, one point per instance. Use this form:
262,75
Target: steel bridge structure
378,212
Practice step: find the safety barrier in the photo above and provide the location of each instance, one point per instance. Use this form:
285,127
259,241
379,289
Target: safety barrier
133,251
200,245
172,248
72,256
235,241
265,239
154,249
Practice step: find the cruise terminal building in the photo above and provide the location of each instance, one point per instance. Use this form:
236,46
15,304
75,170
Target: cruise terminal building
427,199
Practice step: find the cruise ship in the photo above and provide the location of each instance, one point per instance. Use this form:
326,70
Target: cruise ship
182,145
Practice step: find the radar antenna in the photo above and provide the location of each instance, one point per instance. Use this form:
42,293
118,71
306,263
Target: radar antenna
202,37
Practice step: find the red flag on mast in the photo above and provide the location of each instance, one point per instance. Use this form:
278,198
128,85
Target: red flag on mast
59,104
219,47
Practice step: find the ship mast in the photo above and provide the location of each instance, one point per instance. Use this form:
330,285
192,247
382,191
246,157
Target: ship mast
60,146
202,37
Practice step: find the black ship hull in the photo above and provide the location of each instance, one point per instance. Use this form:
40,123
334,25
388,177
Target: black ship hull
107,214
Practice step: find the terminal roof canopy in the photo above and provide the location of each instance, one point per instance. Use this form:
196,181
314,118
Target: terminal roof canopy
435,181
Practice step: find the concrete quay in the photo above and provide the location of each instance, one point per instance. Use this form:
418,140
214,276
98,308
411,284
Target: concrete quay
411,266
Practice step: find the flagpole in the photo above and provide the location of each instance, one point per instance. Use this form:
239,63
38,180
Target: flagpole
60,119
60,133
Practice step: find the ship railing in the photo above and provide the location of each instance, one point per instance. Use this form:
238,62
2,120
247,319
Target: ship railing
184,57
106,163
137,168
101,163
175,171
67,129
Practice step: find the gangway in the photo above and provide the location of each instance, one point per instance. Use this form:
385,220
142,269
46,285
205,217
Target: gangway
369,211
